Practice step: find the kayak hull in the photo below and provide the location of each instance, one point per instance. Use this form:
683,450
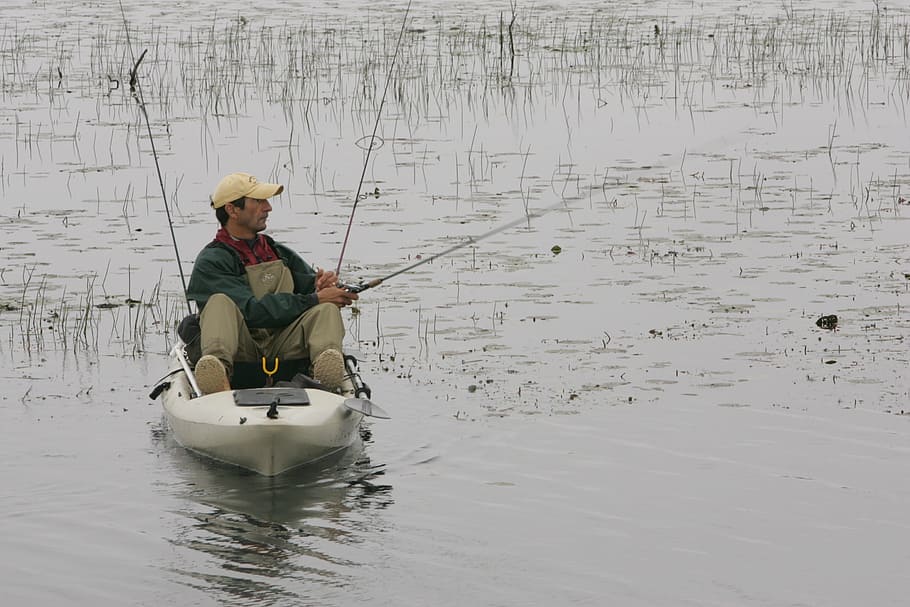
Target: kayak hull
296,427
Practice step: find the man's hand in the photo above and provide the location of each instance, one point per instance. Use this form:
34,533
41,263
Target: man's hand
336,295
325,279
328,291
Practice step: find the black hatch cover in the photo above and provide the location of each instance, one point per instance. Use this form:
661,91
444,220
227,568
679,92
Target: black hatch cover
263,397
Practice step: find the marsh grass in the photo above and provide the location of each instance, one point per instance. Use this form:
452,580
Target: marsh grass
77,319
326,74
217,71
330,69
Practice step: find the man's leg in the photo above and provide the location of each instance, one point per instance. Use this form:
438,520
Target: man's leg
225,338
224,332
318,329
317,334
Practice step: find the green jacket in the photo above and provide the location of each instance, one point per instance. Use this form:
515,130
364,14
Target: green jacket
218,269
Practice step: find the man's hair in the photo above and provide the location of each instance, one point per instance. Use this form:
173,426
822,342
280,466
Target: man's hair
222,214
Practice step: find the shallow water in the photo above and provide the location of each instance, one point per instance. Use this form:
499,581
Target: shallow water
649,417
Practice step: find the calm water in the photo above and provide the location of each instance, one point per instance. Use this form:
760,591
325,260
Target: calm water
625,402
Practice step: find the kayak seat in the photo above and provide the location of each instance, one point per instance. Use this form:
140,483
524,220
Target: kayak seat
191,335
251,375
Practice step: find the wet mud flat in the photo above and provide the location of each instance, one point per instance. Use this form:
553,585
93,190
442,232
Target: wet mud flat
729,184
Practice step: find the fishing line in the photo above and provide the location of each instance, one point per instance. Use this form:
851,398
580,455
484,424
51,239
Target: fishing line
366,160
136,90
468,241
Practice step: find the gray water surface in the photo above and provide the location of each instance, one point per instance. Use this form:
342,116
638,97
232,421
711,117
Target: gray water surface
627,401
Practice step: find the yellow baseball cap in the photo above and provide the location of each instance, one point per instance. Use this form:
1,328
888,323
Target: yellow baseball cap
240,185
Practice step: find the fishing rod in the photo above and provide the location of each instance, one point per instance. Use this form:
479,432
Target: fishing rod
366,160
468,241
136,90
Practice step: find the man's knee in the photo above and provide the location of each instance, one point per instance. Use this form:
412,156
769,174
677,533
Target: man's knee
325,317
219,302
327,309
219,313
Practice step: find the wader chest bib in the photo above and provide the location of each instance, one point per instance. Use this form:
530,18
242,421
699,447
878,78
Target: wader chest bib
266,278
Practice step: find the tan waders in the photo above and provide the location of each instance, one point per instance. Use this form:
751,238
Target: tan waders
319,330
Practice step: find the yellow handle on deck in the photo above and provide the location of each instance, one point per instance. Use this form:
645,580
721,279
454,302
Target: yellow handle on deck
265,369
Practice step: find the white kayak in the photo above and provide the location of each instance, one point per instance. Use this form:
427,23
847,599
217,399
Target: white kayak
268,430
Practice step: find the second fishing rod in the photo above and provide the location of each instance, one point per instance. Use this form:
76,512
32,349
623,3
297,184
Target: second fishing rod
372,141
359,288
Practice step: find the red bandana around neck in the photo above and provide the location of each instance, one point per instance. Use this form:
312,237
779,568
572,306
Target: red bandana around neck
259,252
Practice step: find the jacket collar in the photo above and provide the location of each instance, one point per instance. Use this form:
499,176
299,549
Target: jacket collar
252,252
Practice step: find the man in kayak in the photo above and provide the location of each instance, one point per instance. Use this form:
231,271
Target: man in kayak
258,298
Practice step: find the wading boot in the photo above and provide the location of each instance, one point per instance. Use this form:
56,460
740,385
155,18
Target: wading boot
211,375
328,369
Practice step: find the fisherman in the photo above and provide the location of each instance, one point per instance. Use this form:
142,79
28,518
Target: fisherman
258,298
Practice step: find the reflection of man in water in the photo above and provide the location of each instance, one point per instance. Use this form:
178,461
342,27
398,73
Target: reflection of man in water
258,297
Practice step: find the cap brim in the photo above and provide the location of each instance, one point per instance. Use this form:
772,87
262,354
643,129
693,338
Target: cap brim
265,190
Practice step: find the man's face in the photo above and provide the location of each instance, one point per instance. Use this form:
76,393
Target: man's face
254,215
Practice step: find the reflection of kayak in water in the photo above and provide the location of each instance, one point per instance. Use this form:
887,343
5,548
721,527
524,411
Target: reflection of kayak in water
268,430
324,487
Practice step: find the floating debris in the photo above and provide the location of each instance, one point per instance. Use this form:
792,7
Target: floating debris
827,322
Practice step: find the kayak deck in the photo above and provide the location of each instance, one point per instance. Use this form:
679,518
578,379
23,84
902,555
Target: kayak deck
267,430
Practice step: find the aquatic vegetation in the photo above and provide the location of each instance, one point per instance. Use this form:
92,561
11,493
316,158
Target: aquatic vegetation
738,157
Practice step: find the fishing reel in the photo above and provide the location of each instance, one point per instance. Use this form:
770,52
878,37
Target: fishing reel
352,288
362,286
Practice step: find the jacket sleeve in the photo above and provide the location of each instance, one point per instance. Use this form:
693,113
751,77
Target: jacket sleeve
219,271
